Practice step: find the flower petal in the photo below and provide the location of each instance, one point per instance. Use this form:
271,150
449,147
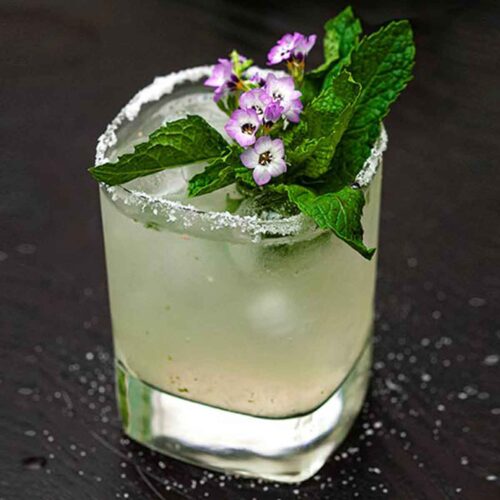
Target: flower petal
249,158
245,140
219,92
273,112
263,144
278,148
221,72
303,45
277,167
261,175
257,100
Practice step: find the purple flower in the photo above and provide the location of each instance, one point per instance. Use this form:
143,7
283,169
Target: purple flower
283,92
220,78
266,159
283,49
227,75
303,46
289,46
242,126
273,112
256,99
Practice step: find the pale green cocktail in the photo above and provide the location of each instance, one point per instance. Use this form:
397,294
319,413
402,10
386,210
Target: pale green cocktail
242,343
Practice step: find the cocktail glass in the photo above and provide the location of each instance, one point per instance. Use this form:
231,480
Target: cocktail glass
242,343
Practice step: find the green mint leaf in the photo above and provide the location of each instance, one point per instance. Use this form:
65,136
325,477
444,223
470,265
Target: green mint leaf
176,143
333,106
245,180
312,157
331,41
383,65
310,88
350,156
339,211
217,174
294,134
346,29
298,154
341,37
312,145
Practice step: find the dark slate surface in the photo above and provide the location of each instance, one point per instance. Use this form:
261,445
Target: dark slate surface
429,428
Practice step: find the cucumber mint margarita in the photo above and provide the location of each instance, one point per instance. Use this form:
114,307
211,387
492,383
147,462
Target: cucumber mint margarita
240,230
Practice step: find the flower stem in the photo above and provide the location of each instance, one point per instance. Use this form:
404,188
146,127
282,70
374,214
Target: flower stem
296,70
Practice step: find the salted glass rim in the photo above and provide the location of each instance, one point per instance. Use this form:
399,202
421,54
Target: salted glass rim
172,210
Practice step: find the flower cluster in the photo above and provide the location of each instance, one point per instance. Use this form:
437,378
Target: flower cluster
261,105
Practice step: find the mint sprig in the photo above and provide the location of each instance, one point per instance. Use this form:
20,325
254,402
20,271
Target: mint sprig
176,143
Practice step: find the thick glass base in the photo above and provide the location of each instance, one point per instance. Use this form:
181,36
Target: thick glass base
289,449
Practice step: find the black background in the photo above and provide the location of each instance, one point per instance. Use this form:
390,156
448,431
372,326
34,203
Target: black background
429,428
